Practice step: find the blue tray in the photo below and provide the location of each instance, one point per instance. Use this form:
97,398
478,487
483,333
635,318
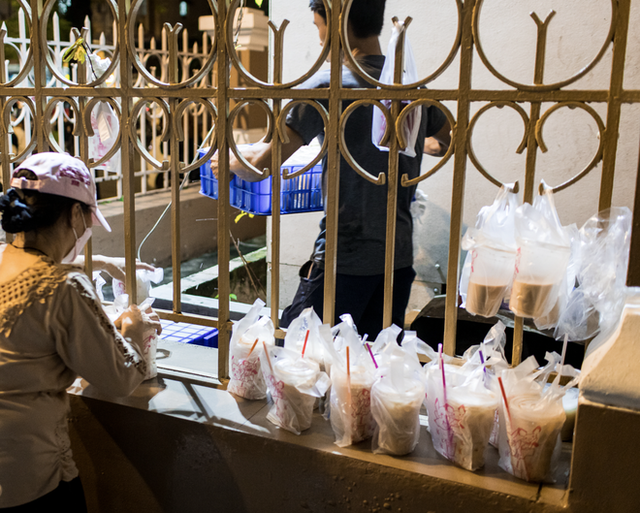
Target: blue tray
189,333
300,194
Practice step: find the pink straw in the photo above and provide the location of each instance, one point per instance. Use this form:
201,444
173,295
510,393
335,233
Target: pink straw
504,396
371,353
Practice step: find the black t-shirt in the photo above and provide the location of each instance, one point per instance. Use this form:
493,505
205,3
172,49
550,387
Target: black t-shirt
362,204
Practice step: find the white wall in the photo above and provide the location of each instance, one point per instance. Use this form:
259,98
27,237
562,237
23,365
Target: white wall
508,35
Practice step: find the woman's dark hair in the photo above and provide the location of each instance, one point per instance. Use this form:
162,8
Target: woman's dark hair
27,210
366,16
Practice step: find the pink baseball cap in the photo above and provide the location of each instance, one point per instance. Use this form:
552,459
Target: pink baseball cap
62,175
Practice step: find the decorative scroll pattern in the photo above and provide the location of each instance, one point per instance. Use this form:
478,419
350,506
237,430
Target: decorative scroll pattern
166,112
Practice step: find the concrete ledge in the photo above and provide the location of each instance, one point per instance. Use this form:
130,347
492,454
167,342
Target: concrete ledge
177,445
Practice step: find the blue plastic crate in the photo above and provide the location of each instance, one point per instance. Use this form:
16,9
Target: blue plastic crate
189,333
300,194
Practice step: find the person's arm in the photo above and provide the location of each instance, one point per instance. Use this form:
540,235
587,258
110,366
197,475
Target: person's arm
259,156
438,144
113,266
89,344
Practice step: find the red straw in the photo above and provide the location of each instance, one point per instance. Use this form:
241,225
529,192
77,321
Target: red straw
371,353
304,347
267,355
504,396
253,347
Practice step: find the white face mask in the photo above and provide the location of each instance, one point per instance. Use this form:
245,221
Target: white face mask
79,245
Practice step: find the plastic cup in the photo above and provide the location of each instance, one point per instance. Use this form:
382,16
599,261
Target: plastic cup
539,272
491,274
528,441
359,424
397,417
461,430
293,410
246,375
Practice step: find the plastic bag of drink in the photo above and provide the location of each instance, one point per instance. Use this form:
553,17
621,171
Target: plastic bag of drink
531,418
352,376
551,319
490,262
248,337
461,416
144,279
303,335
411,125
150,342
542,257
595,304
396,398
295,382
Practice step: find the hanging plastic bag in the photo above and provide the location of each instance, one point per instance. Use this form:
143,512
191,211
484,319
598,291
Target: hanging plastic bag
396,398
542,258
550,321
295,383
104,121
248,337
412,122
596,304
490,261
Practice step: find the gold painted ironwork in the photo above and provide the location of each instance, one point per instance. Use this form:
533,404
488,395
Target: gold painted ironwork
206,92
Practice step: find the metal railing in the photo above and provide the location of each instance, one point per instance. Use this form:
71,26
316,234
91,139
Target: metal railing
175,95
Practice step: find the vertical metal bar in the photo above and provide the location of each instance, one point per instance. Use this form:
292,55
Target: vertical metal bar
611,133
39,73
633,274
127,152
459,176
276,179
174,166
333,167
222,66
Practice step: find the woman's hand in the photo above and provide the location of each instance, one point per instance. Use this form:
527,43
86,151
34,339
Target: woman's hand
137,325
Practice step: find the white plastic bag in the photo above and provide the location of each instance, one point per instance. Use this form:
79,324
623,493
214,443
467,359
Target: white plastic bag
396,398
596,304
352,376
411,125
144,279
531,419
294,383
490,262
542,258
248,337
303,335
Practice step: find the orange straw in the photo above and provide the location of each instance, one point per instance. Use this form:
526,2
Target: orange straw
304,347
267,355
253,347
348,366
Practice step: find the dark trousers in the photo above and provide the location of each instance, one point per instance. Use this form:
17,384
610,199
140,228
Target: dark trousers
68,497
360,296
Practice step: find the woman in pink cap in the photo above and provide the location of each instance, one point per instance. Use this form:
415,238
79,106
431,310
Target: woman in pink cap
52,329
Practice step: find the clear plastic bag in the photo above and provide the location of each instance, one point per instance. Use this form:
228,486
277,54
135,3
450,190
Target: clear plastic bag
490,262
295,383
352,376
412,122
248,337
303,334
596,304
396,398
531,419
542,257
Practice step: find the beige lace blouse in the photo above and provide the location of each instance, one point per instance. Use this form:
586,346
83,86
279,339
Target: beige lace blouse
52,328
